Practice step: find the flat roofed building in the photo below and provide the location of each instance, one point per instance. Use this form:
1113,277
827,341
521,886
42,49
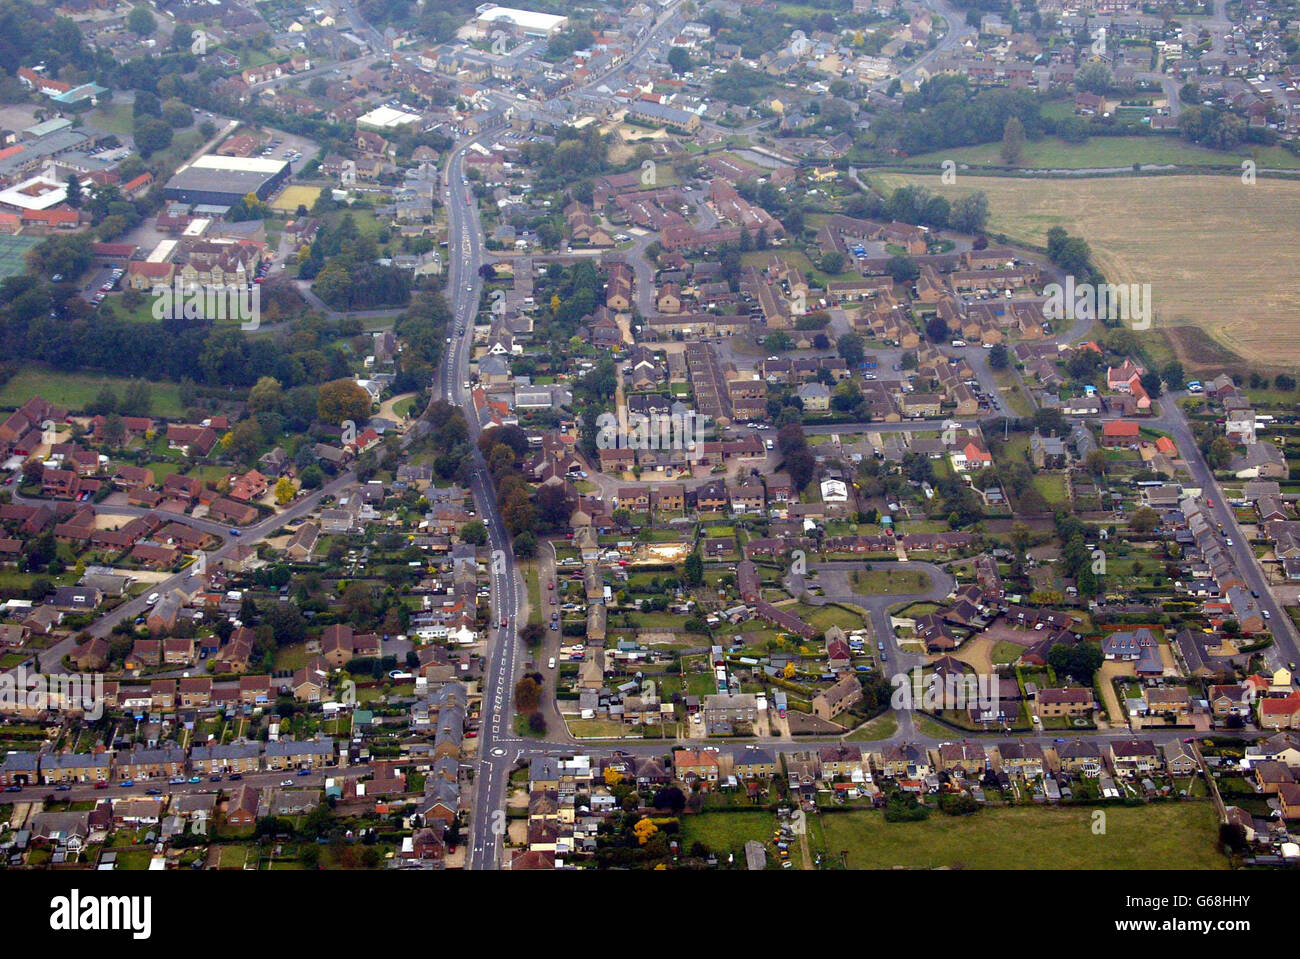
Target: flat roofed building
525,21
223,180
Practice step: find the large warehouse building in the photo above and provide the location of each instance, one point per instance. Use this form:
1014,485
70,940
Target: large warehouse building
223,181
525,22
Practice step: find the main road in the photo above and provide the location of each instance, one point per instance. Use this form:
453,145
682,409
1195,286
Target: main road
498,747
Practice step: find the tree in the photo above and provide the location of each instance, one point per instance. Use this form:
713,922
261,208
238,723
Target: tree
832,261
644,829
474,532
552,507
851,349
778,341
1094,78
528,695
525,544
177,114
266,395
903,269
970,214
342,400
74,194
151,135
693,569
141,22
284,491
679,59
1144,520
670,798
998,357
1079,662
114,430
801,464
1013,141
311,477
33,471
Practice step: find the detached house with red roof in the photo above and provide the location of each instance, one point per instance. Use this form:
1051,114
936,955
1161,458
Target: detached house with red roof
1116,433
1280,712
1121,378
971,457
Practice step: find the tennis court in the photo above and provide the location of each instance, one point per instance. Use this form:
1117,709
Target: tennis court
12,251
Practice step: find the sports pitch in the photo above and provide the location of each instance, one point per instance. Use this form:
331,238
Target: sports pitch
12,251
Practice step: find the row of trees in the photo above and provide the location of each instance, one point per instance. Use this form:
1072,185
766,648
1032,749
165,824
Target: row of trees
916,204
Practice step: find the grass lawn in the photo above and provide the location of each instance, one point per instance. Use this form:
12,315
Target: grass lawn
1017,402
233,857
877,581
292,657
76,391
1164,836
1051,486
824,617
729,831
1004,652
874,730
135,860
797,260
600,729
534,592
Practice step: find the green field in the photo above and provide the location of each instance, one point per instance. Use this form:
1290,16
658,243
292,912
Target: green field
1107,152
728,832
903,582
1164,836
13,249
76,392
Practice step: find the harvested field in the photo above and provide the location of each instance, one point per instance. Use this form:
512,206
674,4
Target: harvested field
1170,232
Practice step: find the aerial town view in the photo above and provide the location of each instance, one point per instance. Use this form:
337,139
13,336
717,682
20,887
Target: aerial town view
695,435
